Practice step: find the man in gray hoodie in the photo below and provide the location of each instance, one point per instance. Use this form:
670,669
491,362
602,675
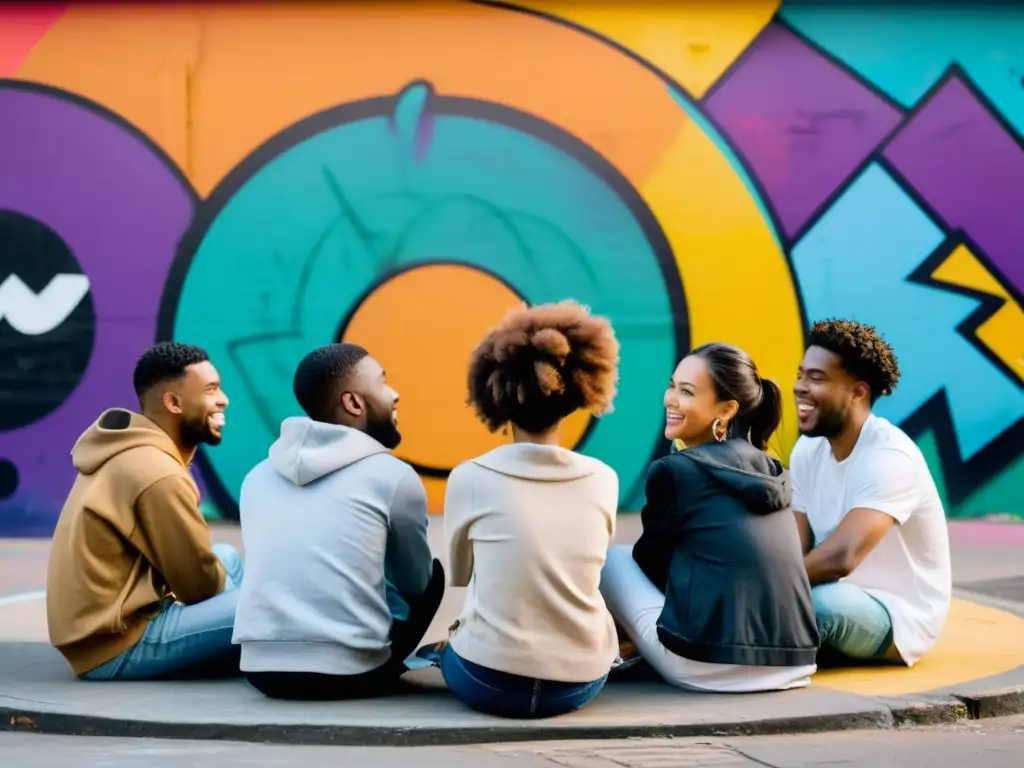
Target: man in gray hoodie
340,583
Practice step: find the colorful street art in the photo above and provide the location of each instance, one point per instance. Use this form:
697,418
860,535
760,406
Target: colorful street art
263,179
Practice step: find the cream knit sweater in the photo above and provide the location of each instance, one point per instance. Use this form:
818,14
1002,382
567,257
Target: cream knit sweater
528,528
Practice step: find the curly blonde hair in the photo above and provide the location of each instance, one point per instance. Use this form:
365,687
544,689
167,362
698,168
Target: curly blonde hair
542,363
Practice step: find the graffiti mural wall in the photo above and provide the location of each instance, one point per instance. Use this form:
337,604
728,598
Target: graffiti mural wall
261,180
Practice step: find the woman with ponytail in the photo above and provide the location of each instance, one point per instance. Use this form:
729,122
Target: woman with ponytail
714,594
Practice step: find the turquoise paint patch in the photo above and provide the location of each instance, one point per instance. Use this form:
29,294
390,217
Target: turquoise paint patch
854,264
694,113
904,49
1002,494
297,246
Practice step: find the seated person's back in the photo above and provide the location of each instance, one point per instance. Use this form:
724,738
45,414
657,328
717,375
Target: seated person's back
714,593
316,519
718,539
529,524
335,533
529,527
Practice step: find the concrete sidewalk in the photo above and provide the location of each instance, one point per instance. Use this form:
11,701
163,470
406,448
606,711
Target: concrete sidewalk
977,670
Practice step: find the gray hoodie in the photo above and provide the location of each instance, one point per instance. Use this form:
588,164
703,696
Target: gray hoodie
326,518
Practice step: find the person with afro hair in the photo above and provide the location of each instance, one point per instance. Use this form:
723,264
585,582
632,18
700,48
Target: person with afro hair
528,525
870,517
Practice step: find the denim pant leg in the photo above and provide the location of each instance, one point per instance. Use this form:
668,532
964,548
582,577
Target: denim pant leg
513,696
396,603
411,616
185,638
851,621
231,559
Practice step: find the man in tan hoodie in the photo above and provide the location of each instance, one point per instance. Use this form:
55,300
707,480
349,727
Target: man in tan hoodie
134,588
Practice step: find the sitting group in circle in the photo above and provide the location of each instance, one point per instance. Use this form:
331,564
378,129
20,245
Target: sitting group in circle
747,576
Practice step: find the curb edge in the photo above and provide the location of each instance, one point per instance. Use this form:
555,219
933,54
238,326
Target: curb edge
23,720
998,702
889,713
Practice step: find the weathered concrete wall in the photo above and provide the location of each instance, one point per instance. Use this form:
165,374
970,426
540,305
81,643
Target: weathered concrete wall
260,180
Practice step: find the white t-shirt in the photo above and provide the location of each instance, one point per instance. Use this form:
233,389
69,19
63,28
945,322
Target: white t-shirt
909,570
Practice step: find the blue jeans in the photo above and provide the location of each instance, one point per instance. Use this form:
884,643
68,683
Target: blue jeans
396,603
851,621
185,639
505,695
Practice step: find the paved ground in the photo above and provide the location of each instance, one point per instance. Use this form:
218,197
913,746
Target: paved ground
981,650
996,743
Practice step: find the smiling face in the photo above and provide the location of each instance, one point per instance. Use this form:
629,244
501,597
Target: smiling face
200,404
826,394
692,404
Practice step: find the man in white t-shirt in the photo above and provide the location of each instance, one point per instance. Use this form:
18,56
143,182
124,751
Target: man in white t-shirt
870,517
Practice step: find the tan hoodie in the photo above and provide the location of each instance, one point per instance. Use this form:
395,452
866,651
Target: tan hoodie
130,535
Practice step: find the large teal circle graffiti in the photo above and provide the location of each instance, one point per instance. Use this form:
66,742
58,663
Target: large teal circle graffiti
292,239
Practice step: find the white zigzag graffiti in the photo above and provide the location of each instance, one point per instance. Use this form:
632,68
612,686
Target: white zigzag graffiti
34,314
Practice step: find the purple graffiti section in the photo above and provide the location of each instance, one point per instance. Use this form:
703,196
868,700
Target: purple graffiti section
970,170
803,124
121,211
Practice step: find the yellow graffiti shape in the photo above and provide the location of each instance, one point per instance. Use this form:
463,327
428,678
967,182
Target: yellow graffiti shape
737,282
694,43
1003,333
977,642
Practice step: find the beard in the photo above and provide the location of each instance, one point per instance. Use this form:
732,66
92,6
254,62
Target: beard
196,431
829,424
382,429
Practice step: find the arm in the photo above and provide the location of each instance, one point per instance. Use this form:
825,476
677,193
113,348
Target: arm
179,539
653,550
408,562
803,527
458,518
803,524
886,492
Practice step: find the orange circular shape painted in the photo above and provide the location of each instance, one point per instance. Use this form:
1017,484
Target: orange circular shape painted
259,68
422,325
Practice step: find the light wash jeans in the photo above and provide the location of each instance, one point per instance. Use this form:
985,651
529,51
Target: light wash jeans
851,621
184,638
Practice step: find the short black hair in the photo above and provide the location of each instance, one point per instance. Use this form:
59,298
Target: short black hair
320,374
164,361
863,351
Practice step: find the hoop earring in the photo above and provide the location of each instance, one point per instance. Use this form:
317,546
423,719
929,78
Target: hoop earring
715,426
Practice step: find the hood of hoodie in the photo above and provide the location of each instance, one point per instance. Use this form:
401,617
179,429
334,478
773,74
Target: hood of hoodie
752,476
308,450
531,461
118,430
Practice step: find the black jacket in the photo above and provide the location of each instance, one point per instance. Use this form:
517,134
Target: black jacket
720,540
